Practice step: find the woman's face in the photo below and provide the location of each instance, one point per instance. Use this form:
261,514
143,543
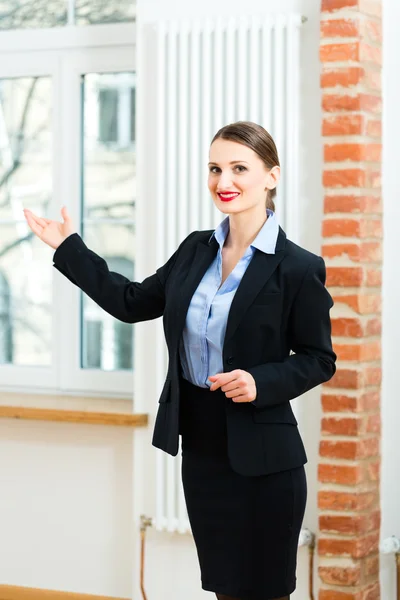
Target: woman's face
238,178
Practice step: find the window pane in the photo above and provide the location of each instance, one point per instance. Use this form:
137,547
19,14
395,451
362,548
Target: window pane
25,297
24,14
109,156
25,146
108,117
25,181
90,12
107,343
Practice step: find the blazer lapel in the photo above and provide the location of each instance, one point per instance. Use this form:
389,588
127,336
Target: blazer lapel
258,272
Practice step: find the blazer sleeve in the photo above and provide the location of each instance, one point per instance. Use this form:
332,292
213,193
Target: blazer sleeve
128,301
313,361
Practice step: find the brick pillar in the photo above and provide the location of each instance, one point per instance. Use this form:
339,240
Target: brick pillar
348,497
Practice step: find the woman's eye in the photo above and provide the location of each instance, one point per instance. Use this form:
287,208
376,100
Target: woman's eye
241,168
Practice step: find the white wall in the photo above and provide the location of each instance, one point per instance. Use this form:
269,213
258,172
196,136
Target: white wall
65,506
172,556
390,483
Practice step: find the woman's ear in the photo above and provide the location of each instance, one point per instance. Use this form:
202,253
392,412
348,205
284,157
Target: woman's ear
273,177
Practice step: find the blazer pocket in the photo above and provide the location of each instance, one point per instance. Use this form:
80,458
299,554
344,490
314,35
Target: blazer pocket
166,392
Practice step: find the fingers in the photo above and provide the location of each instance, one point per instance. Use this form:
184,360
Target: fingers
223,379
37,229
64,213
38,220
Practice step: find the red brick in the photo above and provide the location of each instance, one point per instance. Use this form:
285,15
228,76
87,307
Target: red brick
374,423
368,447
341,425
371,566
347,327
350,524
372,375
373,8
342,227
357,252
371,30
353,204
346,576
373,471
343,125
372,80
355,548
352,251
346,378
343,450
374,327
370,401
349,450
365,252
344,276
374,179
333,5
353,152
374,278
360,228
342,178
334,595
370,54
374,128
332,28
364,352
357,102
340,52
346,501
371,251
341,474
342,77
371,593
339,403
363,304
354,404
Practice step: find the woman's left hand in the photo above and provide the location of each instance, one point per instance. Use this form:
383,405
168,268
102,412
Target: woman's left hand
238,385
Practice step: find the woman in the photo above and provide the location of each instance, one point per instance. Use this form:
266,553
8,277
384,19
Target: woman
246,321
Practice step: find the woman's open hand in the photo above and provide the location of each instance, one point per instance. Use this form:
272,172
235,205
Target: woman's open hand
53,233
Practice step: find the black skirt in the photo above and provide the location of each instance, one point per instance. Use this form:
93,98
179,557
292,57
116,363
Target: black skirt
246,529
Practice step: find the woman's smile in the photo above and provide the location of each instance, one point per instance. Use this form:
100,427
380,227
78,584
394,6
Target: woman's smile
227,196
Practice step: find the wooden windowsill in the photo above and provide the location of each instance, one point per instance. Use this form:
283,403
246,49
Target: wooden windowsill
74,416
11,592
71,409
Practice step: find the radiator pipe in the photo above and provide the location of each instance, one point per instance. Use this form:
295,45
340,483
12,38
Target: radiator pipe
307,538
144,523
391,545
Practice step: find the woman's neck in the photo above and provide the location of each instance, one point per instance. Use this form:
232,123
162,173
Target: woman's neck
243,229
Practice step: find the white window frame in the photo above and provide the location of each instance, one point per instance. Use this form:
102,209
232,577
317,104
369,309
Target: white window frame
65,54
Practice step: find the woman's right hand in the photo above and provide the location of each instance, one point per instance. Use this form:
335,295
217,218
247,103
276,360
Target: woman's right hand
53,233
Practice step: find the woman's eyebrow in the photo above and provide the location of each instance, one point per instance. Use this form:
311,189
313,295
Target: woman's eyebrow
231,163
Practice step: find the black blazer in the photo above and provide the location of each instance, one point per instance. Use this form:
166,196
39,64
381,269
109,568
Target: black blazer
278,330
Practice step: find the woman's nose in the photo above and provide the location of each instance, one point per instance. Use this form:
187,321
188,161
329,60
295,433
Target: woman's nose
224,182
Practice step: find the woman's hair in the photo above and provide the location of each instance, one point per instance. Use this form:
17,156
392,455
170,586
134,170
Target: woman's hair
258,139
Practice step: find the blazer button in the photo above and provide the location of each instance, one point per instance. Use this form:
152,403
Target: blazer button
229,360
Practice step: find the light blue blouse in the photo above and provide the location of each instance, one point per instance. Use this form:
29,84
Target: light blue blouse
203,336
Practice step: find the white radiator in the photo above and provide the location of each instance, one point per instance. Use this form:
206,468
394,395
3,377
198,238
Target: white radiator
209,74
